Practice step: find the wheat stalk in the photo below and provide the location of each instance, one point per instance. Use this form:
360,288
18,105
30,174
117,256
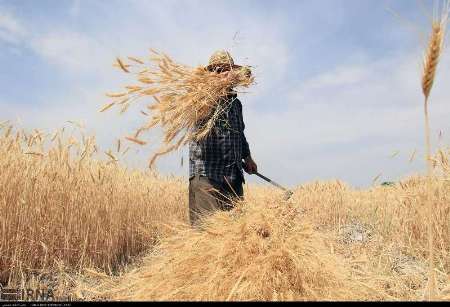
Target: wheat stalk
431,60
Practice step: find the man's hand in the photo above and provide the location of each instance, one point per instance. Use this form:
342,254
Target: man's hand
250,166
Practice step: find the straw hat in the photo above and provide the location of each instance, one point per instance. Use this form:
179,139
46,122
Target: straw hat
221,58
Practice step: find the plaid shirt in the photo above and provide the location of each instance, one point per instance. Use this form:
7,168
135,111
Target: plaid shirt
219,155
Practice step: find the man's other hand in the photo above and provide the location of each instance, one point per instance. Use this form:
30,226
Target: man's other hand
250,166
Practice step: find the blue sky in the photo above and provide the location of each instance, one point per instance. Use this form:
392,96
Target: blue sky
338,80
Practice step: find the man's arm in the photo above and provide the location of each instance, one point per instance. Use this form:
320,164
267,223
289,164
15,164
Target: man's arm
245,147
249,166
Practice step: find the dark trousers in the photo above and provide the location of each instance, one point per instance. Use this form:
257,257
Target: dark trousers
207,196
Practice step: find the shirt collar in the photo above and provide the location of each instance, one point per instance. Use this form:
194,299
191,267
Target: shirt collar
232,95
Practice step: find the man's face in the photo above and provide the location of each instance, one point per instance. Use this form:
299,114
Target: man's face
221,68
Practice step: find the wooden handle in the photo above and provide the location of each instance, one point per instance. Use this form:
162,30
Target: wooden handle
270,181
267,179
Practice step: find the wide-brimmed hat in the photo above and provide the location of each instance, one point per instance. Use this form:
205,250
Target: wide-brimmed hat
221,58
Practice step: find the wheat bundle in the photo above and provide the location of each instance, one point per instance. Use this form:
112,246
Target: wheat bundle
186,100
258,252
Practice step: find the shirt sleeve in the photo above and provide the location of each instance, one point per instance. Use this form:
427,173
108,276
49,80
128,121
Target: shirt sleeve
245,147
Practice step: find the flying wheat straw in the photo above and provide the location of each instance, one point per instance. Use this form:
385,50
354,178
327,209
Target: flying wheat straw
187,101
431,60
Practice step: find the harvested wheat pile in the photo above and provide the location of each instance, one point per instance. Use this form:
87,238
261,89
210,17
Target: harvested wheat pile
187,100
256,252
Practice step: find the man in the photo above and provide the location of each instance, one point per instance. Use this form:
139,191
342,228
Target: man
215,163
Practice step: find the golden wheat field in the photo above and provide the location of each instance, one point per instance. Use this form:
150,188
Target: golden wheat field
91,228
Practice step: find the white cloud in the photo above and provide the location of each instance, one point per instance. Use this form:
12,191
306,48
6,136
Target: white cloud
73,51
75,8
342,76
11,29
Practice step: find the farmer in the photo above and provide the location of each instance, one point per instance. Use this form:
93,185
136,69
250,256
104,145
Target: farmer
215,163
